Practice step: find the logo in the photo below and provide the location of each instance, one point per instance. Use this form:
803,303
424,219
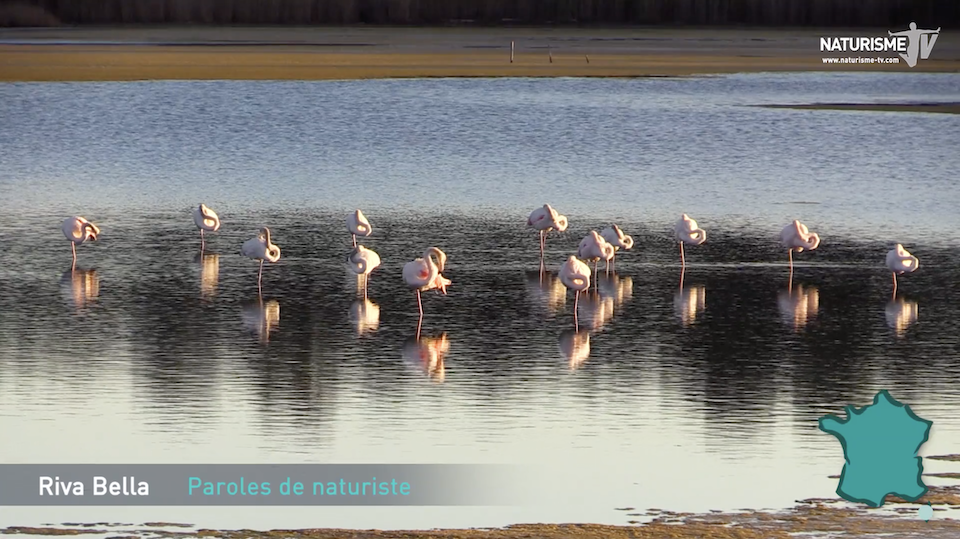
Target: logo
918,40
911,45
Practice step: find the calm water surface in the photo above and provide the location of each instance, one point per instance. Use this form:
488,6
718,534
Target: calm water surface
671,395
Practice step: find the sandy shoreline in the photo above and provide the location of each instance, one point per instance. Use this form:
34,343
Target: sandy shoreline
324,53
816,517
828,518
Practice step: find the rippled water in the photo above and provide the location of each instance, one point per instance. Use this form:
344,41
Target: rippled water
668,397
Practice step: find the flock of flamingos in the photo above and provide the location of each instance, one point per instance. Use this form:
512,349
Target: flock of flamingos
426,272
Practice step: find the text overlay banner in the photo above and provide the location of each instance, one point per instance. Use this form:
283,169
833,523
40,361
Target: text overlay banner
258,484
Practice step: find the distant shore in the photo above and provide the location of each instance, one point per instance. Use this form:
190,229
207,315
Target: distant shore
325,53
943,108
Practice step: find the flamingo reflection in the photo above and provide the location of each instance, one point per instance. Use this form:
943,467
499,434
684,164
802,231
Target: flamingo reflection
262,317
546,291
597,310
427,354
689,302
575,347
799,305
365,316
209,274
620,289
901,314
80,286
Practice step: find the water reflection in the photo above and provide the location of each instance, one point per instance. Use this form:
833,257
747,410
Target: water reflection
901,314
151,327
546,291
799,305
80,286
209,274
596,310
365,316
427,355
689,302
618,288
262,317
575,347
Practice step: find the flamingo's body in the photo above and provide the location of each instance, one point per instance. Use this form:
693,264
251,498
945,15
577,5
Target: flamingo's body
358,225
78,230
206,220
796,237
362,261
614,236
544,220
261,248
575,275
425,273
900,261
687,232
594,247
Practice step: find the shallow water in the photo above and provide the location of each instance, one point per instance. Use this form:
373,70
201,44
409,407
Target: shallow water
666,397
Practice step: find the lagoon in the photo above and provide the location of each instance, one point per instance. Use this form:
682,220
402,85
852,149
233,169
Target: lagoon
677,396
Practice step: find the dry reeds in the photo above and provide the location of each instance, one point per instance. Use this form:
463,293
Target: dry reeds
877,13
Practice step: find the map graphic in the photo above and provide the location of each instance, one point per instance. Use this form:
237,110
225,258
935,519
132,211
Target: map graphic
880,444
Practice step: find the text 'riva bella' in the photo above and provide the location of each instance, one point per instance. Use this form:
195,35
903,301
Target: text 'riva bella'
127,486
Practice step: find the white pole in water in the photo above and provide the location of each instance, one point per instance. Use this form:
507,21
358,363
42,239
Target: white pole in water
511,51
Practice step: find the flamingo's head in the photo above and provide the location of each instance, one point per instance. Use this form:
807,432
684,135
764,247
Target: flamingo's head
92,230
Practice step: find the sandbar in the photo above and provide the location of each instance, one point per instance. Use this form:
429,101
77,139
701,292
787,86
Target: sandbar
942,108
343,53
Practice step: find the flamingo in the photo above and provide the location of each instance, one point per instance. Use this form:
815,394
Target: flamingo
358,225
79,230
363,261
546,219
594,247
260,248
687,231
205,219
900,261
796,237
614,236
425,274
575,275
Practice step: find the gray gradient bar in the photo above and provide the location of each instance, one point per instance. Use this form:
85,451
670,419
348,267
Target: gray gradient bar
276,484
